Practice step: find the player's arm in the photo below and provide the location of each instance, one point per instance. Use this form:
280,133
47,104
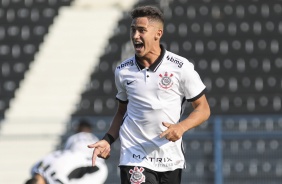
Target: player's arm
200,114
102,148
117,120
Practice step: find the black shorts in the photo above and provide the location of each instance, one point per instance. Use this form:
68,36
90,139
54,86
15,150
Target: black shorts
142,175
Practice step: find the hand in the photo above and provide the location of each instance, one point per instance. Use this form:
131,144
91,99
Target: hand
173,133
101,149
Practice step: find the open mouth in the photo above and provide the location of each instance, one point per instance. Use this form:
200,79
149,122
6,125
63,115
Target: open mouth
138,46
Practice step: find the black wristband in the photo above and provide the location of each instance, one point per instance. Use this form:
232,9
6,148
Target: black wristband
109,138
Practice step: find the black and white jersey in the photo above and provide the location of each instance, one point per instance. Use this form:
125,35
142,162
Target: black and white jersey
70,167
154,95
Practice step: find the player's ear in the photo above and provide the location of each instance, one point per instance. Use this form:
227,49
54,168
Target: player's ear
158,34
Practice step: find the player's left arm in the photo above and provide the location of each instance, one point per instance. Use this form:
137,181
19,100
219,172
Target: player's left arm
199,115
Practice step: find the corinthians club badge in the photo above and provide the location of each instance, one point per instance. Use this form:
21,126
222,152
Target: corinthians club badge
137,176
166,81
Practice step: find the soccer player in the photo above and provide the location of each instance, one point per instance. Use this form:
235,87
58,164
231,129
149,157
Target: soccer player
153,87
73,164
82,137
68,167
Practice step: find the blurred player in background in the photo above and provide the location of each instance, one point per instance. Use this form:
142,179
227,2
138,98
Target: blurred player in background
82,137
73,164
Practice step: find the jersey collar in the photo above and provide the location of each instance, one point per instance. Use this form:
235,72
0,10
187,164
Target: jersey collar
156,64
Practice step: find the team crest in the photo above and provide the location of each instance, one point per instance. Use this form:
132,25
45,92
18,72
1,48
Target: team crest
166,81
137,176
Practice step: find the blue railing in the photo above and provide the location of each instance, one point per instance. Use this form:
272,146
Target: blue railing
219,135
218,150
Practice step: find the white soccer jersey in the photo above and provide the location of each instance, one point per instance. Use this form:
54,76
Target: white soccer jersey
69,167
155,95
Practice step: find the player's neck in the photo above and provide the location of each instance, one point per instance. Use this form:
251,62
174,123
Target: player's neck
150,57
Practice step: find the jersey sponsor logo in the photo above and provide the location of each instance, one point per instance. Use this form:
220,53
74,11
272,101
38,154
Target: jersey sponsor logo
164,165
166,81
151,159
128,63
175,61
137,176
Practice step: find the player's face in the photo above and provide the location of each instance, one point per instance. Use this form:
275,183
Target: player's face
144,35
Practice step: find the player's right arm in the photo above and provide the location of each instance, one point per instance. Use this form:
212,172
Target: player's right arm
102,148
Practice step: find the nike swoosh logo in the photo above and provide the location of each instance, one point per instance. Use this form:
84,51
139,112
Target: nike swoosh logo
129,82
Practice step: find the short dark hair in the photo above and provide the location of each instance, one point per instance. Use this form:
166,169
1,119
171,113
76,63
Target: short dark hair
83,126
151,12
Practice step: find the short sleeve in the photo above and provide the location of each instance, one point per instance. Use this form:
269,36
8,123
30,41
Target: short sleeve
121,91
192,84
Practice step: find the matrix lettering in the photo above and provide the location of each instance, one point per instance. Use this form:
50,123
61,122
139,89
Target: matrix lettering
151,159
175,61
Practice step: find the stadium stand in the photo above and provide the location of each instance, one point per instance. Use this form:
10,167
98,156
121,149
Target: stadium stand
24,24
56,74
225,44
235,46
23,27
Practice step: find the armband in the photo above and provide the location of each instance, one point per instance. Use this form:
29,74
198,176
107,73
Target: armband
109,138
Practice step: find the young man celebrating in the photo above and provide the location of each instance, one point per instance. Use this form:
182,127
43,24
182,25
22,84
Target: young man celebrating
152,88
